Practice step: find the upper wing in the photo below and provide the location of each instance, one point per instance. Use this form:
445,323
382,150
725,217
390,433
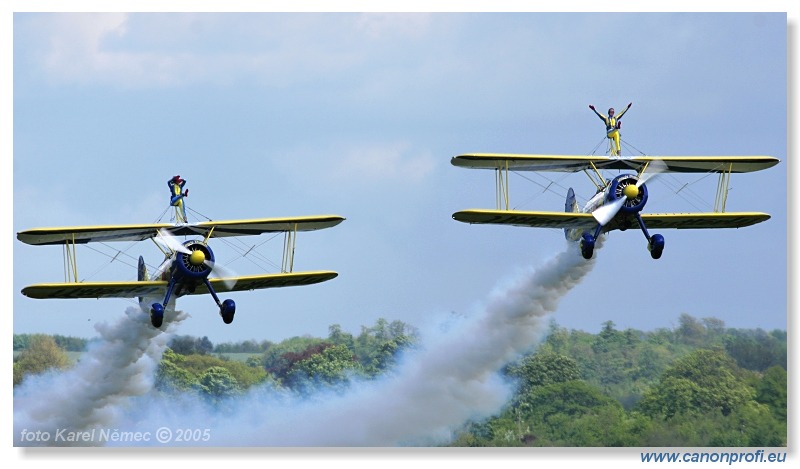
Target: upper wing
568,163
587,221
89,234
258,226
155,288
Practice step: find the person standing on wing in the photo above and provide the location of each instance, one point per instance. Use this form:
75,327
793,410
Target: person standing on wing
612,126
176,197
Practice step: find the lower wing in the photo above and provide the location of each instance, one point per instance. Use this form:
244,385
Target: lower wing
530,219
703,220
586,220
156,288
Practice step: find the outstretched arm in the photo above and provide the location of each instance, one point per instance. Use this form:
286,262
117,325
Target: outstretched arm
602,117
619,116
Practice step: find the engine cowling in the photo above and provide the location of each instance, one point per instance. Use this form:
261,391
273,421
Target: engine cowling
196,263
625,186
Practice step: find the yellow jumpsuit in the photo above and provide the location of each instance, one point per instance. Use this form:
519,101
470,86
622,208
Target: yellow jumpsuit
176,199
612,131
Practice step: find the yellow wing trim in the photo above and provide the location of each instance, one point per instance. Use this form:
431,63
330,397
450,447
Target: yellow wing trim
529,219
158,288
586,220
94,289
703,220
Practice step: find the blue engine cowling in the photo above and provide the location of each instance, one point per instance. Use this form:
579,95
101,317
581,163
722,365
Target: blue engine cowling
618,185
185,268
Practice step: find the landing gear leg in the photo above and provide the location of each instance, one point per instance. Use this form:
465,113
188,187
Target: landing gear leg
157,309
227,308
655,243
588,241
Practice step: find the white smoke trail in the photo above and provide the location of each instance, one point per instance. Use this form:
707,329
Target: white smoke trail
454,377
52,408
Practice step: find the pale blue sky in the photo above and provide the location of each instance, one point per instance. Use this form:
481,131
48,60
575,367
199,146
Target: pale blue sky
358,115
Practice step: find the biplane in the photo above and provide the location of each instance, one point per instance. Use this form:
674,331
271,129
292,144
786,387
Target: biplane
619,201
189,267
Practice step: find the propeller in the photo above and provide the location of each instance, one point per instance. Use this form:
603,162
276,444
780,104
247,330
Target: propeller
607,212
226,275
167,240
197,257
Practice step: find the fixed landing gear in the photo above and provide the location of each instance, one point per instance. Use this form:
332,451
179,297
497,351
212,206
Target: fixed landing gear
157,314
655,243
656,246
227,309
587,246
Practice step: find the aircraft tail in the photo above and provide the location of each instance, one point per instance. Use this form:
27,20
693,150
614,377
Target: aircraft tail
570,205
142,271
141,274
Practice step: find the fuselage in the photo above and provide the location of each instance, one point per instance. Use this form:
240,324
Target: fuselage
614,190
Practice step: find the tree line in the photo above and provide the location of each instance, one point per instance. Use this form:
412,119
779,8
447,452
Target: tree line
697,384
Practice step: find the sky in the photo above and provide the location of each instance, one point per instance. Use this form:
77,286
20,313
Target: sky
358,115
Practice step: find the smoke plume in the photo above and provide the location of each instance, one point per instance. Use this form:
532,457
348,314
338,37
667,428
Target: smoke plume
53,408
454,376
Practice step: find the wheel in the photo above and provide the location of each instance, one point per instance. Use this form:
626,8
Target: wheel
656,246
587,246
227,310
156,314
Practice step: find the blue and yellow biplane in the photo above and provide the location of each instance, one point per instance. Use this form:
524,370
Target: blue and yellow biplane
619,201
189,267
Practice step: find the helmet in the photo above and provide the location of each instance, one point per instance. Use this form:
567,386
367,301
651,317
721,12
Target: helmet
610,110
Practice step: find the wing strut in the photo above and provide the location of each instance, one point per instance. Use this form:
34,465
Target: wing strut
70,261
600,182
502,186
722,189
289,241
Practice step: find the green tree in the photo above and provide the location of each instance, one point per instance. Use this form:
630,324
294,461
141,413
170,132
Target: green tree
755,349
274,359
542,369
700,382
573,413
772,391
245,375
171,375
217,383
376,348
386,354
557,339
331,366
21,341
337,336
691,331
751,424
41,354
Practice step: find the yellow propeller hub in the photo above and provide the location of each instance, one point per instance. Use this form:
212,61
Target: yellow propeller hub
630,191
197,257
